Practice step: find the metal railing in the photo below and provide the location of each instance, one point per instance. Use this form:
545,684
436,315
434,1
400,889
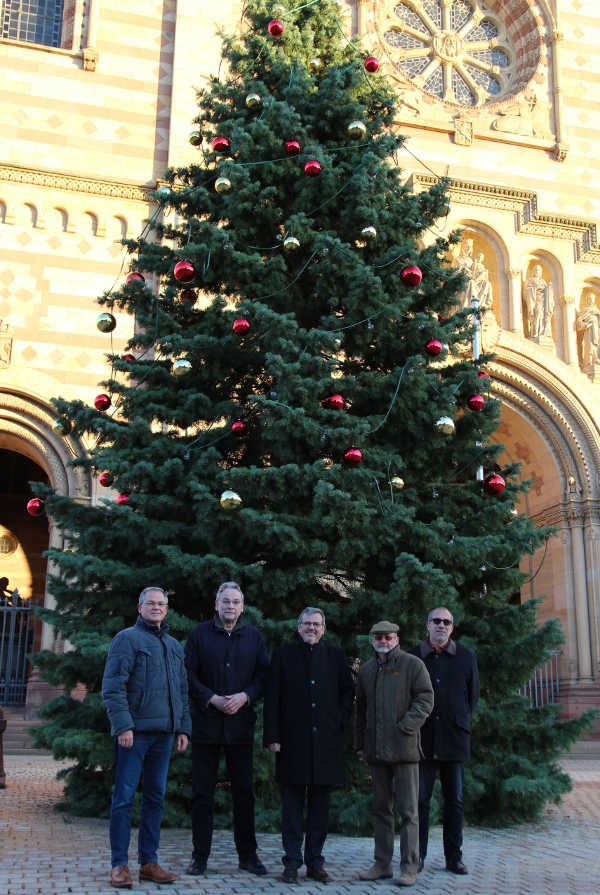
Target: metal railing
543,686
17,640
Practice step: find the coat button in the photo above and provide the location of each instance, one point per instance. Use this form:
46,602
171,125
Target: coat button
314,705
314,729
437,680
312,683
227,664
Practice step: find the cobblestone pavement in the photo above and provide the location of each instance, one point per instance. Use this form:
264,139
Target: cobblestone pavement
42,851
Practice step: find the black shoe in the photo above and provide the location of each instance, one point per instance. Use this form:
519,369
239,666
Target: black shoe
457,867
196,868
318,873
421,865
253,865
289,875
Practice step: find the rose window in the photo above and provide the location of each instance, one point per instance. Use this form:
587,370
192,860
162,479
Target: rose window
452,49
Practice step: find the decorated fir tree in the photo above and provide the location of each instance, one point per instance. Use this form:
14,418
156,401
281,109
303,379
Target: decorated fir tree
299,411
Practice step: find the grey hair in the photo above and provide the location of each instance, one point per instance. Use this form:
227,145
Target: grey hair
310,610
430,616
146,590
229,585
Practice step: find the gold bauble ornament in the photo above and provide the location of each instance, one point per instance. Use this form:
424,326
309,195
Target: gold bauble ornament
61,427
315,65
222,184
230,500
253,100
182,367
368,233
195,138
357,130
105,322
445,425
290,244
397,483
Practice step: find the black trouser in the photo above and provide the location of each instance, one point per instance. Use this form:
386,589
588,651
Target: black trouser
292,810
451,778
205,765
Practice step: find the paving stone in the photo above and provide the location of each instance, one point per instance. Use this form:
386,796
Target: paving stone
45,851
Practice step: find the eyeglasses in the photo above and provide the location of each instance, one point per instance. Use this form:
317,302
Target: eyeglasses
442,621
230,602
384,636
312,624
155,605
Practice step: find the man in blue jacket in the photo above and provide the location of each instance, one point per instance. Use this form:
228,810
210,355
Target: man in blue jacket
446,735
146,697
226,662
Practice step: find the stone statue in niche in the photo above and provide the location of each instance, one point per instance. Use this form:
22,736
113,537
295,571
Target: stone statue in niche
5,344
539,303
478,292
588,326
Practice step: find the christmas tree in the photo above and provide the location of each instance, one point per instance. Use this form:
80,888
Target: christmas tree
299,411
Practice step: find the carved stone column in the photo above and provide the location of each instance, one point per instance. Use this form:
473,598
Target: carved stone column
569,334
580,592
515,314
90,53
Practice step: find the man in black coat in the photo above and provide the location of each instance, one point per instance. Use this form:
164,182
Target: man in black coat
226,662
445,736
308,703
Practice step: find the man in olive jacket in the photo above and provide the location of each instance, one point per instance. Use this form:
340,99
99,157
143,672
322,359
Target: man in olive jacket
446,734
145,692
394,696
308,704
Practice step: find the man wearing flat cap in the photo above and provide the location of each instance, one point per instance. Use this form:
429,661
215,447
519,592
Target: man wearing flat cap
394,696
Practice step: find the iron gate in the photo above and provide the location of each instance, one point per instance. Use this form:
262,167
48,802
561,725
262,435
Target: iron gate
17,640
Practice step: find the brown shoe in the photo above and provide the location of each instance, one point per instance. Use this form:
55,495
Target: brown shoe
156,874
376,871
120,877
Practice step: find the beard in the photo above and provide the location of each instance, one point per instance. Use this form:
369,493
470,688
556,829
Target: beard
384,648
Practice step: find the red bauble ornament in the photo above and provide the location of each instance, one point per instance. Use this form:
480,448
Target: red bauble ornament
494,483
275,28
433,347
411,276
35,506
184,271
122,499
105,479
189,296
333,402
353,457
134,277
239,428
241,326
102,402
219,144
476,402
371,64
292,147
483,375
130,358
312,168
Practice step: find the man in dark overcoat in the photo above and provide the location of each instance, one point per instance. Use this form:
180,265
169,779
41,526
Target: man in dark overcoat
446,735
308,704
226,662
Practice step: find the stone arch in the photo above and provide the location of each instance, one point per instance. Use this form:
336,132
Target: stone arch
557,413
59,219
89,223
26,428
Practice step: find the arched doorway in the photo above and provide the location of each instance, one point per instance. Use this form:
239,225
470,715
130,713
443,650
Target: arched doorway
31,451
23,541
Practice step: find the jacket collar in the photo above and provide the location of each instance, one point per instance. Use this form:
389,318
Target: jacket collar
221,627
152,629
425,648
391,656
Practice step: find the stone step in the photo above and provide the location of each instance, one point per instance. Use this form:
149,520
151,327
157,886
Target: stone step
17,737
583,749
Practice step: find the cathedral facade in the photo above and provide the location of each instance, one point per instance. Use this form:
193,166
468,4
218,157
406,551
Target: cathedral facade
498,96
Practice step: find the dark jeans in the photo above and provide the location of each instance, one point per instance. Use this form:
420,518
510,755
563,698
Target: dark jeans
149,756
292,811
451,778
205,765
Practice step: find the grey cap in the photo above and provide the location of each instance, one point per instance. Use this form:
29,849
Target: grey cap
384,627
